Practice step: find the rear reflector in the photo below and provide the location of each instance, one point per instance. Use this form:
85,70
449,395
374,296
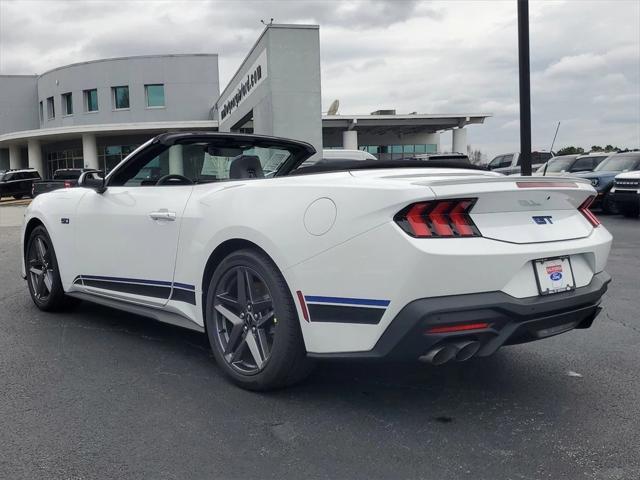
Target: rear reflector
439,219
588,214
463,327
303,305
546,185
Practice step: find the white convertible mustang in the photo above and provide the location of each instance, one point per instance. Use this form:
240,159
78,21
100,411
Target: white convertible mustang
281,264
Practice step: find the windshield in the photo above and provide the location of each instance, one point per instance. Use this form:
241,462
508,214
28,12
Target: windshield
558,164
619,163
200,162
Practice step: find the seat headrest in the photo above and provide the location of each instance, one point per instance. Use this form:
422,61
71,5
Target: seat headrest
245,166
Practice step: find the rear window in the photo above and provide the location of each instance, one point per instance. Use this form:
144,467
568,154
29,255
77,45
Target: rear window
67,175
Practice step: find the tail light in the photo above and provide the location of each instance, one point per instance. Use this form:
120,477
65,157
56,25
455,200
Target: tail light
439,219
588,214
67,184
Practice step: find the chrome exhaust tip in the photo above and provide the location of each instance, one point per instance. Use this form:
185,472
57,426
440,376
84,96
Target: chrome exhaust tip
439,355
466,349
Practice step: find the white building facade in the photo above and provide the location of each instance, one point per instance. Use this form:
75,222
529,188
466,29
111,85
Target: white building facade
92,114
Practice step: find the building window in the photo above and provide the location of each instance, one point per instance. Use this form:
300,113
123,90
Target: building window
111,155
51,109
120,98
63,159
41,113
91,100
155,95
67,104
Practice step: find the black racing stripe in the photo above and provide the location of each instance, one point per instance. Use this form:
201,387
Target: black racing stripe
186,296
343,314
155,291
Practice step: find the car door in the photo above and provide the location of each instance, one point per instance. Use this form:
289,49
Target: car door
127,236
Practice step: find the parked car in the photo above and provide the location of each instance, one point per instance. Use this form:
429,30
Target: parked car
564,164
626,193
602,177
459,158
333,155
509,163
63,178
345,154
17,183
383,260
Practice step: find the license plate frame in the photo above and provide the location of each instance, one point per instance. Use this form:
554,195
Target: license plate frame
544,268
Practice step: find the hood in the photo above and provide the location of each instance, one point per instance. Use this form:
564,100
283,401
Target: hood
600,180
629,175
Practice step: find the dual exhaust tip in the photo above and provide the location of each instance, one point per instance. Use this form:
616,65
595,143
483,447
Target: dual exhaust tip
460,351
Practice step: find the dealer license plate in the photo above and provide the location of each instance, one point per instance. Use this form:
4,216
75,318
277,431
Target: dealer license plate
554,275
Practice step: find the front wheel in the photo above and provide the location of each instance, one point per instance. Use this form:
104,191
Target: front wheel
253,325
43,276
631,211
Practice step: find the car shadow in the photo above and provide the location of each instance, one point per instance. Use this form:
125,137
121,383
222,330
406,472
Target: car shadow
511,372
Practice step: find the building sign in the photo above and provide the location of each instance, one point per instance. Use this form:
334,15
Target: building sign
255,75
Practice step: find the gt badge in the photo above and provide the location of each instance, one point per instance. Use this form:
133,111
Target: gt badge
64,221
542,219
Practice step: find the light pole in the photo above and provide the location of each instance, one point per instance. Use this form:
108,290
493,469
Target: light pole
525,87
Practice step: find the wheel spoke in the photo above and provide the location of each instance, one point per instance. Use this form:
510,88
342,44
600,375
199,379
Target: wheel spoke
254,349
228,300
40,249
48,280
241,286
263,342
262,304
265,318
237,353
35,270
234,337
40,286
229,315
252,295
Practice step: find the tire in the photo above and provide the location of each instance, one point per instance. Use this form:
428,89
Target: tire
255,336
609,206
45,288
18,197
631,211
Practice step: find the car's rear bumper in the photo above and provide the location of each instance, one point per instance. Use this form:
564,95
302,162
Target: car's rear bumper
512,320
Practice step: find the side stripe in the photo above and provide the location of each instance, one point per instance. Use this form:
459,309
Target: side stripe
180,292
347,301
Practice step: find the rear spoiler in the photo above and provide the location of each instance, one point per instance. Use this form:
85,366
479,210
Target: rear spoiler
521,182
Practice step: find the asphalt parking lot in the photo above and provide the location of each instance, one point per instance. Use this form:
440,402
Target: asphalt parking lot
94,393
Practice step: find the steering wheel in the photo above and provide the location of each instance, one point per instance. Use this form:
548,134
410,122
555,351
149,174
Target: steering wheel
174,179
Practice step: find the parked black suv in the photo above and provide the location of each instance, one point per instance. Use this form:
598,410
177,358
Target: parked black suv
17,183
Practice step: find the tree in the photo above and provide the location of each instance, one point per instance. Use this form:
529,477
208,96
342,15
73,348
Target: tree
475,156
570,151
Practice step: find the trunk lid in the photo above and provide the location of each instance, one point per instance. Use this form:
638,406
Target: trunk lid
512,209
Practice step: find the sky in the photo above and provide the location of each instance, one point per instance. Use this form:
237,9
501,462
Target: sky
432,57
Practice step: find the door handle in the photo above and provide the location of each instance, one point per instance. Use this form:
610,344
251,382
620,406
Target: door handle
163,214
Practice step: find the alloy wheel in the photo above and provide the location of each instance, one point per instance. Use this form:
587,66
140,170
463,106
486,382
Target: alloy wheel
245,319
40,268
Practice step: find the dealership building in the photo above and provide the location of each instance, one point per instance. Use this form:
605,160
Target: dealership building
92,114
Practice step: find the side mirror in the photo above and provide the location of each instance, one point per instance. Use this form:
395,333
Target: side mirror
86,180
